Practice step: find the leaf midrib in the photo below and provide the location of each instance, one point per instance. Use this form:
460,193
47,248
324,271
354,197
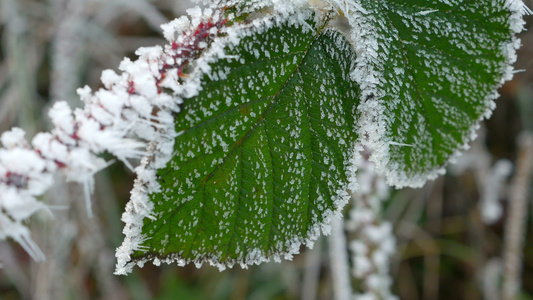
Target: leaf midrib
253,127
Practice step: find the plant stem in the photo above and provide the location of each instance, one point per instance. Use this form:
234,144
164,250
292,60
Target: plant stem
340,267
516,218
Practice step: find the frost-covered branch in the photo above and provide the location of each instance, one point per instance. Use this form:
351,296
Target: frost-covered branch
490,206
132,110
516,218
491,178
374,241
340,270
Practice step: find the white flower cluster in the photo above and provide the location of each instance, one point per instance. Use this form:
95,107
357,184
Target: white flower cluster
133,109
374,241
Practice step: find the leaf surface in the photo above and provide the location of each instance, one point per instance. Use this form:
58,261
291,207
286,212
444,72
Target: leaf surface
437,66
261,161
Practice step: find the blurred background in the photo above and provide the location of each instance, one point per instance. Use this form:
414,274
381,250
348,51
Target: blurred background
450,238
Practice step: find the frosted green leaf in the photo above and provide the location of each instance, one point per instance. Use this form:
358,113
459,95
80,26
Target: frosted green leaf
262,157
428,74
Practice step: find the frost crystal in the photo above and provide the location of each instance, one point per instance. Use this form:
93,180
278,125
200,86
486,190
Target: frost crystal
491,208
238,190
132,110
374,242
428,74
263,150
188,37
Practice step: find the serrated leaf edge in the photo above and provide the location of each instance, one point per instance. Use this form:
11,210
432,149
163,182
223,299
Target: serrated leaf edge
367,74
160,153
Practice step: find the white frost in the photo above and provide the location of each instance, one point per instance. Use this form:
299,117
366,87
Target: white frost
375,41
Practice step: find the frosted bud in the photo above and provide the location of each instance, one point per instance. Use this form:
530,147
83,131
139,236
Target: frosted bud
175,27
14,138
109,78
150,53
195,14
84,93
61,116
376,282
361,266
503,168
358,247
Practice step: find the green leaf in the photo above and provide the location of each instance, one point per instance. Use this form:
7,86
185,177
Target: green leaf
262,157
438,65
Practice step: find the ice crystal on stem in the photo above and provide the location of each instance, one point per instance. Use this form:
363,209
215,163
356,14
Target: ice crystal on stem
491,208
374,241
340,267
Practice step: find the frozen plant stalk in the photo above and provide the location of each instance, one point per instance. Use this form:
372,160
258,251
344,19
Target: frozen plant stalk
516,219
374,242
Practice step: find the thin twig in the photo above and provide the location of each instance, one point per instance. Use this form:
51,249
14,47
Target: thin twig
516,218
340,266
311,275
432,262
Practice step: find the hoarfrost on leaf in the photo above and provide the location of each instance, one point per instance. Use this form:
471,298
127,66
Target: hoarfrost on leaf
428,73
256,170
